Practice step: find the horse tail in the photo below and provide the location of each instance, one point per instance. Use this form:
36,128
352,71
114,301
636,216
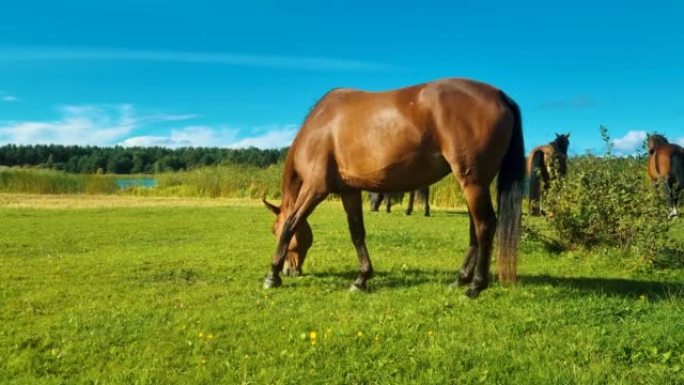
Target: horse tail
509,195
677,166
534,193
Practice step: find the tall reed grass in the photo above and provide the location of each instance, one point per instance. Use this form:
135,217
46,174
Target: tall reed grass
217,181
208,182
38,181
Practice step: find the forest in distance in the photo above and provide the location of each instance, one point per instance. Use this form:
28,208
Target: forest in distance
133,160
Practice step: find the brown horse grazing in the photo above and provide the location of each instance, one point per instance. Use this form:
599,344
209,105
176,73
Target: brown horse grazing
427,131
546,162
377,198
666,164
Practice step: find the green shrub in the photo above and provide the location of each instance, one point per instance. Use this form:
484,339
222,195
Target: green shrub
608,201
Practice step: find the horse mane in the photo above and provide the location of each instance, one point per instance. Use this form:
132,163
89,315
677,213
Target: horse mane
656,141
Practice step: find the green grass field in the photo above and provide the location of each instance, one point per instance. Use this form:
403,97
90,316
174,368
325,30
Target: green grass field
171,294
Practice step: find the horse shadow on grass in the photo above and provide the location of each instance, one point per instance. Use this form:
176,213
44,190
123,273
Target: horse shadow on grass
618,287
451,213
397,278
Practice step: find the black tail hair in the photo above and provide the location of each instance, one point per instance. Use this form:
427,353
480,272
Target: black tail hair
509,196
678,171
534,192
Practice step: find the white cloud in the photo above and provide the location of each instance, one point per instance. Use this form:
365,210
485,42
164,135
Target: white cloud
5,97
191,136
275,138
107,125
84,125
631,142
219,58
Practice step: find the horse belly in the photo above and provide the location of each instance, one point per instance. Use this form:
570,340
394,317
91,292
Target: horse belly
396,174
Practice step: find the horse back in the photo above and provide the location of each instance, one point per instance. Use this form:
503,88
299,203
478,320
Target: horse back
398,140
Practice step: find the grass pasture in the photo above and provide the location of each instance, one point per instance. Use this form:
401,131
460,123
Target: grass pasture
124,291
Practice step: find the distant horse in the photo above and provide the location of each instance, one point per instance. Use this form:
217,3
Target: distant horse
666,164
546,162
376,200
427,131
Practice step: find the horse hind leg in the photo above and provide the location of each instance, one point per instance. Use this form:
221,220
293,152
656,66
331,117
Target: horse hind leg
465,275
352,206
673,191
307,199
484,221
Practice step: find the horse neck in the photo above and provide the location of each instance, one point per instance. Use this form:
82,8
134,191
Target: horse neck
291,184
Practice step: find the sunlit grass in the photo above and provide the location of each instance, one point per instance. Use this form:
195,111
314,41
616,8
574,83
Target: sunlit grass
172,294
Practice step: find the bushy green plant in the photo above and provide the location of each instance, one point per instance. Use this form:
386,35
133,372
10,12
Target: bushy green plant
608,201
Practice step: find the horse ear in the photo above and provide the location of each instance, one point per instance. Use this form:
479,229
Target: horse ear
556,134
273,208
567,135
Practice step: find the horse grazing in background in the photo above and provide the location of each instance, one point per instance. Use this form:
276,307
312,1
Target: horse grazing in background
544,164
666,164
376,200
426,131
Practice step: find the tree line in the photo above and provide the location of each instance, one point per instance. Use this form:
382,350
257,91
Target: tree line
133,160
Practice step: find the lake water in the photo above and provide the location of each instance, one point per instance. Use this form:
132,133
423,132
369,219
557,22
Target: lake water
125,183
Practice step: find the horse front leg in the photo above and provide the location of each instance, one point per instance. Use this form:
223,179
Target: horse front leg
409,207
427,202
353,207
303,206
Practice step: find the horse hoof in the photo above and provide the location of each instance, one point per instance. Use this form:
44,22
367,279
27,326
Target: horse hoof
358,286
472,293
272,283
462,281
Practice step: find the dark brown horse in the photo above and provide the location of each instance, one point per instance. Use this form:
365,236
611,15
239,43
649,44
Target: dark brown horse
544,164
427,131
666,164
376,199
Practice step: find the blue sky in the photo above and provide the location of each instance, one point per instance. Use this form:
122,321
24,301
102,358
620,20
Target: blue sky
234,74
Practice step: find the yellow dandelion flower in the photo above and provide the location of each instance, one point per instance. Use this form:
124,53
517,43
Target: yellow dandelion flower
359,334
431,333
313,335
200,335
210,336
